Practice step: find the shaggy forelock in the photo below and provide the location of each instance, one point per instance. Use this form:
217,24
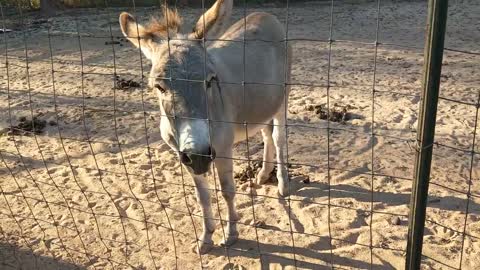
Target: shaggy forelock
167,25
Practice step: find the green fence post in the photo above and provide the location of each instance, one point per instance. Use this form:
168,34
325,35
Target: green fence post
433,55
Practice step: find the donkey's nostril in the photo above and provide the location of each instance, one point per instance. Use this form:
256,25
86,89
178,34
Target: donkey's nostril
185,159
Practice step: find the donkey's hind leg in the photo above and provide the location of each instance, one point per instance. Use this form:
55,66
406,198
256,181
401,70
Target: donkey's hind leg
205,243
279,139
268,155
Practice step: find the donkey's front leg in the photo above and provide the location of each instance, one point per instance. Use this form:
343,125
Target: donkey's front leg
225,175
205,243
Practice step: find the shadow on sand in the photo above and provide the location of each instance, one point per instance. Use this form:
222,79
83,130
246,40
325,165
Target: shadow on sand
13,257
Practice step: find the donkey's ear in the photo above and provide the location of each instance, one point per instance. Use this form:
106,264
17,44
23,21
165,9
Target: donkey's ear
214,22
136,34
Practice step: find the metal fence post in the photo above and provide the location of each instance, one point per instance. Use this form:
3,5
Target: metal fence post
433,55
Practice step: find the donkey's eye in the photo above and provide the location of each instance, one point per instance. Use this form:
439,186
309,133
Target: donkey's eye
209,82
160,88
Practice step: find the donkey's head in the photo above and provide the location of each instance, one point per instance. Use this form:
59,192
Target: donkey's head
182,76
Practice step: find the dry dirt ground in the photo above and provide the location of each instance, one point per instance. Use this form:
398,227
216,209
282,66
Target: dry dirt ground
98,189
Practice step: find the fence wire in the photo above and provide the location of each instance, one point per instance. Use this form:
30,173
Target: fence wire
73,242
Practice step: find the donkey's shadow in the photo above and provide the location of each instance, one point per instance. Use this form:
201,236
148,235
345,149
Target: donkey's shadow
285,255
319,252
317,255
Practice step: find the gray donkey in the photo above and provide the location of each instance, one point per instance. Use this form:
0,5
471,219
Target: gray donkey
217,86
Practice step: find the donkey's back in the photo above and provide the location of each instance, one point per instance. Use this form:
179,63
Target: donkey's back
253,59
258,41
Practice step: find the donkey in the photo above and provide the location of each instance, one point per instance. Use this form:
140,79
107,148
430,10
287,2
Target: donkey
216,86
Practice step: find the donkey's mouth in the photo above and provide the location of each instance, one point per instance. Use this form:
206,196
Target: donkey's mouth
200,168
200,171
198,163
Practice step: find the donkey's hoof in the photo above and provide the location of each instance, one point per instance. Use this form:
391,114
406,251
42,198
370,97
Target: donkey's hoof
230,240
203,247
283,183
262,177
283,190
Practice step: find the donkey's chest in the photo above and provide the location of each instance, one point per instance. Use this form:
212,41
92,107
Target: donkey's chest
242,132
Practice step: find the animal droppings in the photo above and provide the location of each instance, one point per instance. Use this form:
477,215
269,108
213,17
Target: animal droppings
258,223
249,172
306,180
396,221
336,113
27,127
123,84
112,42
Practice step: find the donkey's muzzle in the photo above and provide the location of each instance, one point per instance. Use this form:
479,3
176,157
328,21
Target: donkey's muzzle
199,162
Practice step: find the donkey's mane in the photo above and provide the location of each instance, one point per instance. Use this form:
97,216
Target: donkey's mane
169,23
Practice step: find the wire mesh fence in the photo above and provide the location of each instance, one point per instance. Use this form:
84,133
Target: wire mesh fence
88,183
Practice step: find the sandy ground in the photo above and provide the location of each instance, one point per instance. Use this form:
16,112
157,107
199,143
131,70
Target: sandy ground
98,189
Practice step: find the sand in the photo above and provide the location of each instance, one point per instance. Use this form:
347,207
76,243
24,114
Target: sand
98,189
